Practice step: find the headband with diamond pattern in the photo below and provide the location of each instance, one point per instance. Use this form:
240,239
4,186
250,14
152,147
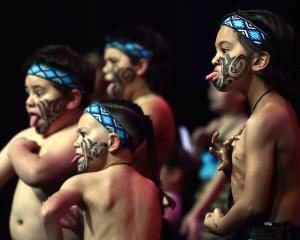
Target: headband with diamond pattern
132,48
104,117
54,75
246,28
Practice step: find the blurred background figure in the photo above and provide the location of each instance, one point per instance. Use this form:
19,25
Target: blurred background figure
231,115
179,180
96,59
137,66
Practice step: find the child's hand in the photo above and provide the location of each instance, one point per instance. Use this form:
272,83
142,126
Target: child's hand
212,219
223,151
73,220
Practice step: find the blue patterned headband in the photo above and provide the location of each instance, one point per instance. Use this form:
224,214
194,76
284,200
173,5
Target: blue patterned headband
104,117
57,76
131,48
246,28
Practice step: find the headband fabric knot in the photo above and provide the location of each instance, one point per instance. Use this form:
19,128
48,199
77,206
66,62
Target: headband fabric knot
132,48
246,28
54,75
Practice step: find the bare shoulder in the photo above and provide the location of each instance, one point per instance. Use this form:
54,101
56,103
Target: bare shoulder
273,115
273,121
61,140
80,182
153,103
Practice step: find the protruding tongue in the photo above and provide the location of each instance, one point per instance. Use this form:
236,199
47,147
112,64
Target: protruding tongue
76,158
33,120
212,76
112,89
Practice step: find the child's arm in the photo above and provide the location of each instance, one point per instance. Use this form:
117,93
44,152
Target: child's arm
38,166
6,167
191,222
55,207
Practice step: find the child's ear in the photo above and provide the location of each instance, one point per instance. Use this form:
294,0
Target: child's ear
141,67
260,61
74,98
114,142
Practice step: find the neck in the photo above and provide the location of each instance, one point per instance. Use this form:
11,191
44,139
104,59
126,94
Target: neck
254,90
139,89
260,99
118,163
122,156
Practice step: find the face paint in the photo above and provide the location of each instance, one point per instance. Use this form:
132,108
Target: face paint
231,70
91,151
122,77
50,110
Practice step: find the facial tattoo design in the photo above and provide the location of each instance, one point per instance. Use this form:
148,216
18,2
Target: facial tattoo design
91,151
232,68
50,110
121,77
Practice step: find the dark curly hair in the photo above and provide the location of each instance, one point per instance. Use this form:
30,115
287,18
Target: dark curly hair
64,58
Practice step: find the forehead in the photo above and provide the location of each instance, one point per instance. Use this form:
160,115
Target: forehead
87,120
32,80
114,53
227,35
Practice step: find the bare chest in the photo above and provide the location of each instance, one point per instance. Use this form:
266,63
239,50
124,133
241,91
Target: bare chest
238,167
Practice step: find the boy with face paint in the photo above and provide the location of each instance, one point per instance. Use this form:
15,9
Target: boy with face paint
254,50
58,83
136,67
119,203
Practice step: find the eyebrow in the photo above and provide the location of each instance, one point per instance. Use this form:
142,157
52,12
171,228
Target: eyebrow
112,59
80,131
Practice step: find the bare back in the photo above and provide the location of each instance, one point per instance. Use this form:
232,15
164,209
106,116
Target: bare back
269,148
120,204
24,218
164,130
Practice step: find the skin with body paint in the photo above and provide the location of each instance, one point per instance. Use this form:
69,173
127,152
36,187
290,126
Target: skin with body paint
118,71
91,151
230,61
91,146
232,68
50,110
45,104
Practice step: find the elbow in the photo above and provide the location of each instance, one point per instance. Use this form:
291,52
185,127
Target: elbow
255,210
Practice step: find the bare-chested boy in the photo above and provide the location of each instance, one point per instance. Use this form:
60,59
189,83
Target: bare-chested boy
136,67
119,203
254,53
58,82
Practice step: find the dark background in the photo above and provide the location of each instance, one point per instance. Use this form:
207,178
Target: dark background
189,26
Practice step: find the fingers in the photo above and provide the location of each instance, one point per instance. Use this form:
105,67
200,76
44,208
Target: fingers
215,138
214,152
218,211
233,138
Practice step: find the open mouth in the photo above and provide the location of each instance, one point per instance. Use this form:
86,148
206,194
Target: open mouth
33,119
113,89
76,158
213,76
